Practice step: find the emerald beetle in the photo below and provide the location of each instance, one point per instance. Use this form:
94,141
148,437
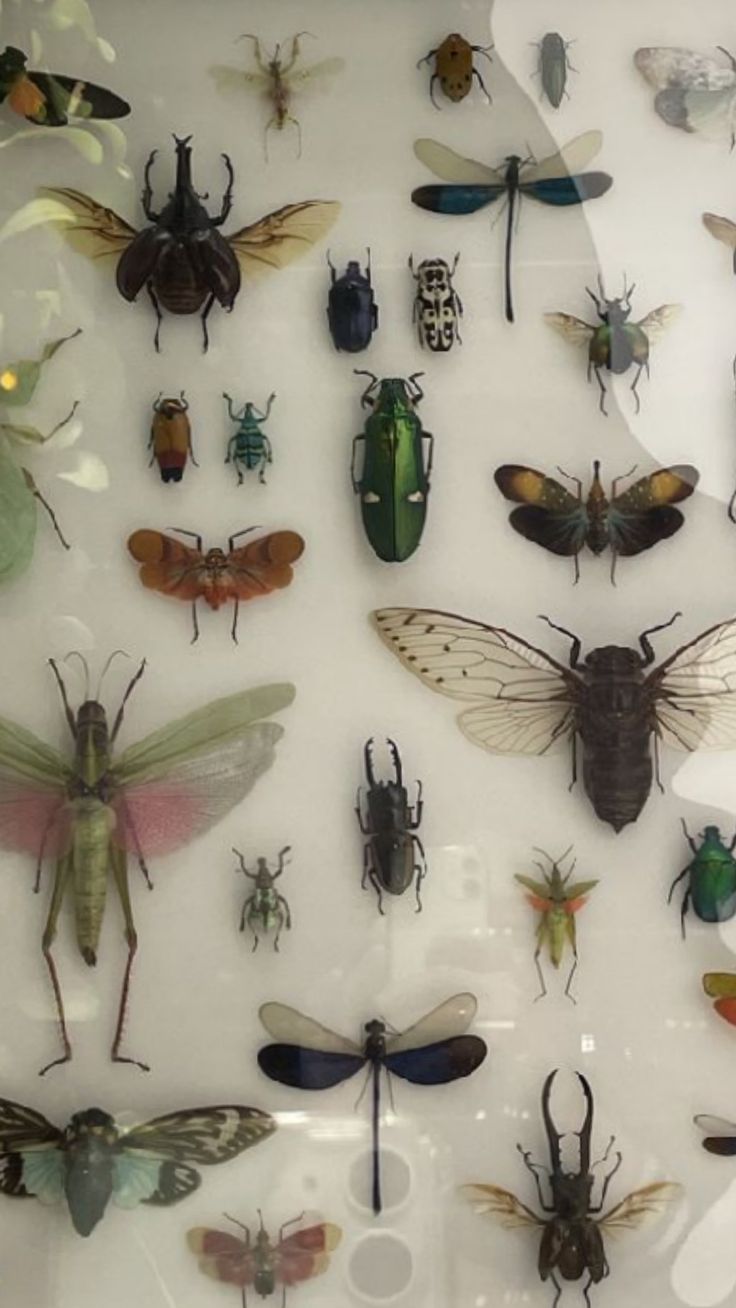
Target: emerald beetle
712,884
265,907
394,481
249,447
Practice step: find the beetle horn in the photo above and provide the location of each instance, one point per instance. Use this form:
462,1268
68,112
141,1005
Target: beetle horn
181,140
368,760
396,758
553,1135
585,1131
183,401
601,287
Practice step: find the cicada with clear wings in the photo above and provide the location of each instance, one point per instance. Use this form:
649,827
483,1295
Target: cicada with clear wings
89,810
93,1161
522,701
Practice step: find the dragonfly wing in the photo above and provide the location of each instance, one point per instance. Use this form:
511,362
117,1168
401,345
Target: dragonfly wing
438,1063
288,1024
449,1018
455,199
452,167
572,158
564,190
307,1069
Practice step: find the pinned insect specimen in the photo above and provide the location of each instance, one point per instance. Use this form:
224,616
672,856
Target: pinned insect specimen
556,902
51,99
87,812
724,230
721,987
191,573
433,1051
572,1228
553,67
628,522
264,1263
394,480
711,874
695,92
19,493
352,312
720,1135
181,258
249,447
615,343
523,702
171,437
93,1160
276,77
455,68
393,854
470,185
265,908
437,305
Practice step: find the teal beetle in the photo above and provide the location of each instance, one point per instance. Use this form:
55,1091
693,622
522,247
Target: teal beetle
712,873
394,481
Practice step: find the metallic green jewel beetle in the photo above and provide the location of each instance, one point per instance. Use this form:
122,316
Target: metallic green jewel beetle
394,481
712,878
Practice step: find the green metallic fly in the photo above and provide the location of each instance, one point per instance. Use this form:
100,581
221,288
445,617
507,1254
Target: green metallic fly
557,903
89,811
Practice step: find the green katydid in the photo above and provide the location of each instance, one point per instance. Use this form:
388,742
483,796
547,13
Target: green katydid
89,811
18,490
557,903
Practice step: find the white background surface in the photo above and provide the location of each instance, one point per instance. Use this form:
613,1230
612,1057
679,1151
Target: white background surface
642,1031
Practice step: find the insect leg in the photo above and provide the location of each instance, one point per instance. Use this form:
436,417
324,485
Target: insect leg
421,871
42,848
287,911
558,1289
576,644
634,385
646,647
120,873
246,906
227,197
597,1208
538,966
433,79
676,881
684,910
372,877
289,118
366,399
147,196
230,446
64,868
281,862
415,813
359,812
573,970
278,932
203,320
159,317
35,492
195,624
535,1169
255,935
574,742
234,628
130,825
131,687
483,86
601,384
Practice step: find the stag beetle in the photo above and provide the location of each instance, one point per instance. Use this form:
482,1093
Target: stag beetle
388,853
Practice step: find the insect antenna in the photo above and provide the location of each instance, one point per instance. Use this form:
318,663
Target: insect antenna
112,657
75,654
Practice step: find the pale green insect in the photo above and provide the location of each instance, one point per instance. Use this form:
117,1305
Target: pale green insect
18,491
89,811
557,902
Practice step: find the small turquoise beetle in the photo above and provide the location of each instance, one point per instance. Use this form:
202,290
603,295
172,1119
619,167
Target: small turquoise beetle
249,447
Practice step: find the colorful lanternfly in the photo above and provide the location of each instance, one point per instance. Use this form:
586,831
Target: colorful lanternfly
432,1051
93,1161
628,522
51,99
556,902
572,1228
262,1263
88,811
615,344
521,701
190,574
265,908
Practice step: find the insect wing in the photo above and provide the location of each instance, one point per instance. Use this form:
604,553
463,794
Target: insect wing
500,1203
450,1018
695,692
285,1023
235,79
720,1134
18,380
175,1182
200,1135
436,1064
306,1253
642,515
168,565
222,1256
180,780
307,1069
670,65
540,892
455,199
17,516
89,227
264,564
33,779
659,320
574,330
314,73
66,97
524,700
283,235
639,1206
24,1137
452,167
711,113
135,1179
22,1128
567,190
572,158
721,986
550,516
42,1174
722,228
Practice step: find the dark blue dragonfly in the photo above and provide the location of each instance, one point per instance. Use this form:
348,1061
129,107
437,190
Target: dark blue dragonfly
433,1051
557,180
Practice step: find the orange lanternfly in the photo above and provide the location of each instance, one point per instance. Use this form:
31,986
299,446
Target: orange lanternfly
189,573
721,987
557,903
454,67
261,1263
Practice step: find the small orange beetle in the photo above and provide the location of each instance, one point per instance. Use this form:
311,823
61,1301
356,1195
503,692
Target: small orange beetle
454,67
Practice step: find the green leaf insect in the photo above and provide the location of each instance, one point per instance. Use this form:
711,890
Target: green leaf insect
88,811
556,902
19,494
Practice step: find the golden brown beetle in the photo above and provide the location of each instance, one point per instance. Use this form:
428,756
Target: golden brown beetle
454,67
171,437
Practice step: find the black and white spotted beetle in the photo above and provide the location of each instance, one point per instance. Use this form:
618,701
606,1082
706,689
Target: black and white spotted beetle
437,305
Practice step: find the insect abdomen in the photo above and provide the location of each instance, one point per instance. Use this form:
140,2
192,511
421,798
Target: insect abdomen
92,825
614,726
177,284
